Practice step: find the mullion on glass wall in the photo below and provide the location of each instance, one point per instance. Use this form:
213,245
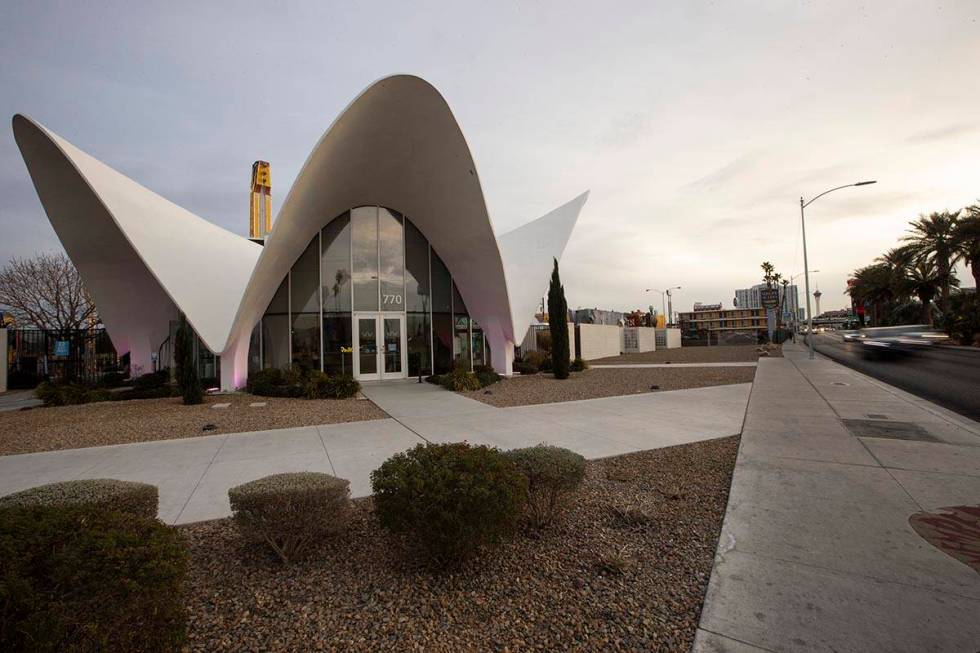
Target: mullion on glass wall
432,346
289,316
377,241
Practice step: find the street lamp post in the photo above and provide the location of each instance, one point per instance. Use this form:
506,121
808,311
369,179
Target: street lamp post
669,308
797,311
806,264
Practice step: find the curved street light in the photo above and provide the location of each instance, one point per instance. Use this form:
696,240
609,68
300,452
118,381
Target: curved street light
806,264
668,310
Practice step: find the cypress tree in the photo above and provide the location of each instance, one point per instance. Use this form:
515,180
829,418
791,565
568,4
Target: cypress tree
188,382
558,326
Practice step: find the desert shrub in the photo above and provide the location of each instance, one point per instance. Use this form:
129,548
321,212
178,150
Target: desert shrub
319,385
449,499
113,379
553,474
95,494
152,380
82,580
523,368
69,394
291,513
543,339
344,386
460,380
546,365
273,382
160,392
486,375
578,365
535,358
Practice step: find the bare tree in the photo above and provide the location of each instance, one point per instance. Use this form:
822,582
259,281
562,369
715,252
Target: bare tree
46,292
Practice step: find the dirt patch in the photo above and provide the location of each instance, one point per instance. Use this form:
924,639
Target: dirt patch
625,569
142,420
734,354
597,382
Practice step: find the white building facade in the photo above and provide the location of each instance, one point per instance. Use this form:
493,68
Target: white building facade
382,261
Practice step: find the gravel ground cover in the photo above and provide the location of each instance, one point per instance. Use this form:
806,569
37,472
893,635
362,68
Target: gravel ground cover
737,353
625,569
142,420
597,382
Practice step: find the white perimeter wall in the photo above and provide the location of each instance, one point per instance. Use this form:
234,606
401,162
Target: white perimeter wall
645,339
598,341
673,338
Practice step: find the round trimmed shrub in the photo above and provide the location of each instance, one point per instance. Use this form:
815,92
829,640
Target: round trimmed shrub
344,386
291,513
486,375
553,474
578,365
83,580
460,380
105,494
450,500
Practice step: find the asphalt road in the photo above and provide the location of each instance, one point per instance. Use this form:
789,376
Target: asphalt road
947,376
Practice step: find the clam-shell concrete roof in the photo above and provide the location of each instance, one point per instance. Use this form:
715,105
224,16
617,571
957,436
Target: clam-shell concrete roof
397,144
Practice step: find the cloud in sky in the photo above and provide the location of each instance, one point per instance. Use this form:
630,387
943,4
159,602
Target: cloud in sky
696,125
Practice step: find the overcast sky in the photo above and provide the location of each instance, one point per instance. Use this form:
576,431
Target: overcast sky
696,125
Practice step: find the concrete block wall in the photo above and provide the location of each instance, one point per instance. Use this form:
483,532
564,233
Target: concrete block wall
638,339
598,340
669,338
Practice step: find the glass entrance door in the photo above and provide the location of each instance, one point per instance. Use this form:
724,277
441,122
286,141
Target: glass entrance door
379,344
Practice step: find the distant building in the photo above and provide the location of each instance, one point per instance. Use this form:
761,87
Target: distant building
723,326
751,298
597,316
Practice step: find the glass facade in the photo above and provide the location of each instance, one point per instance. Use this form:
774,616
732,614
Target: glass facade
369,279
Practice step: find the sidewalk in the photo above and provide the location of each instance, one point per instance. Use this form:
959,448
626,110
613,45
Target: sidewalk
194,474
816,552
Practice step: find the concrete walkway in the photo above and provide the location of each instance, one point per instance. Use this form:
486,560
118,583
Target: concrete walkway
729,364
194,474
816,552
17,399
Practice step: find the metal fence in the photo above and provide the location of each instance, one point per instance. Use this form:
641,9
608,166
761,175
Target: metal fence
78,355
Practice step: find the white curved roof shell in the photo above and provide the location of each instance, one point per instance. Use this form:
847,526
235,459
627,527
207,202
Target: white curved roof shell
397,145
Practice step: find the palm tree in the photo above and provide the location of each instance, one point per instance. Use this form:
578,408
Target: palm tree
923,280
767,273
934,236
873,285
967,237
897,261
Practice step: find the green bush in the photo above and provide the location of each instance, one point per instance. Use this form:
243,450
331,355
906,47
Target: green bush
524,369
70,394
535,358
81,580
104,494
486,375
546,365
578,365
552,474
449,499
113,379
319,385
152,380
558,325
291,513
273,382
460,380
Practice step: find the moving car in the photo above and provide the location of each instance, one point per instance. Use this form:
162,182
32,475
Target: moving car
877,342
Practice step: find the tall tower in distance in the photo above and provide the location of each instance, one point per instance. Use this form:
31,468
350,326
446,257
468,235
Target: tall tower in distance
816,296
260,206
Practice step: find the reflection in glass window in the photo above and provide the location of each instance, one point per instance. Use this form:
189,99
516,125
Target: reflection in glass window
442,283
255,349
335,265
392,250
336,339
304,280
275,341
479,357
419,356
461,340
306,340
417,293
364,248
280,301
442,316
